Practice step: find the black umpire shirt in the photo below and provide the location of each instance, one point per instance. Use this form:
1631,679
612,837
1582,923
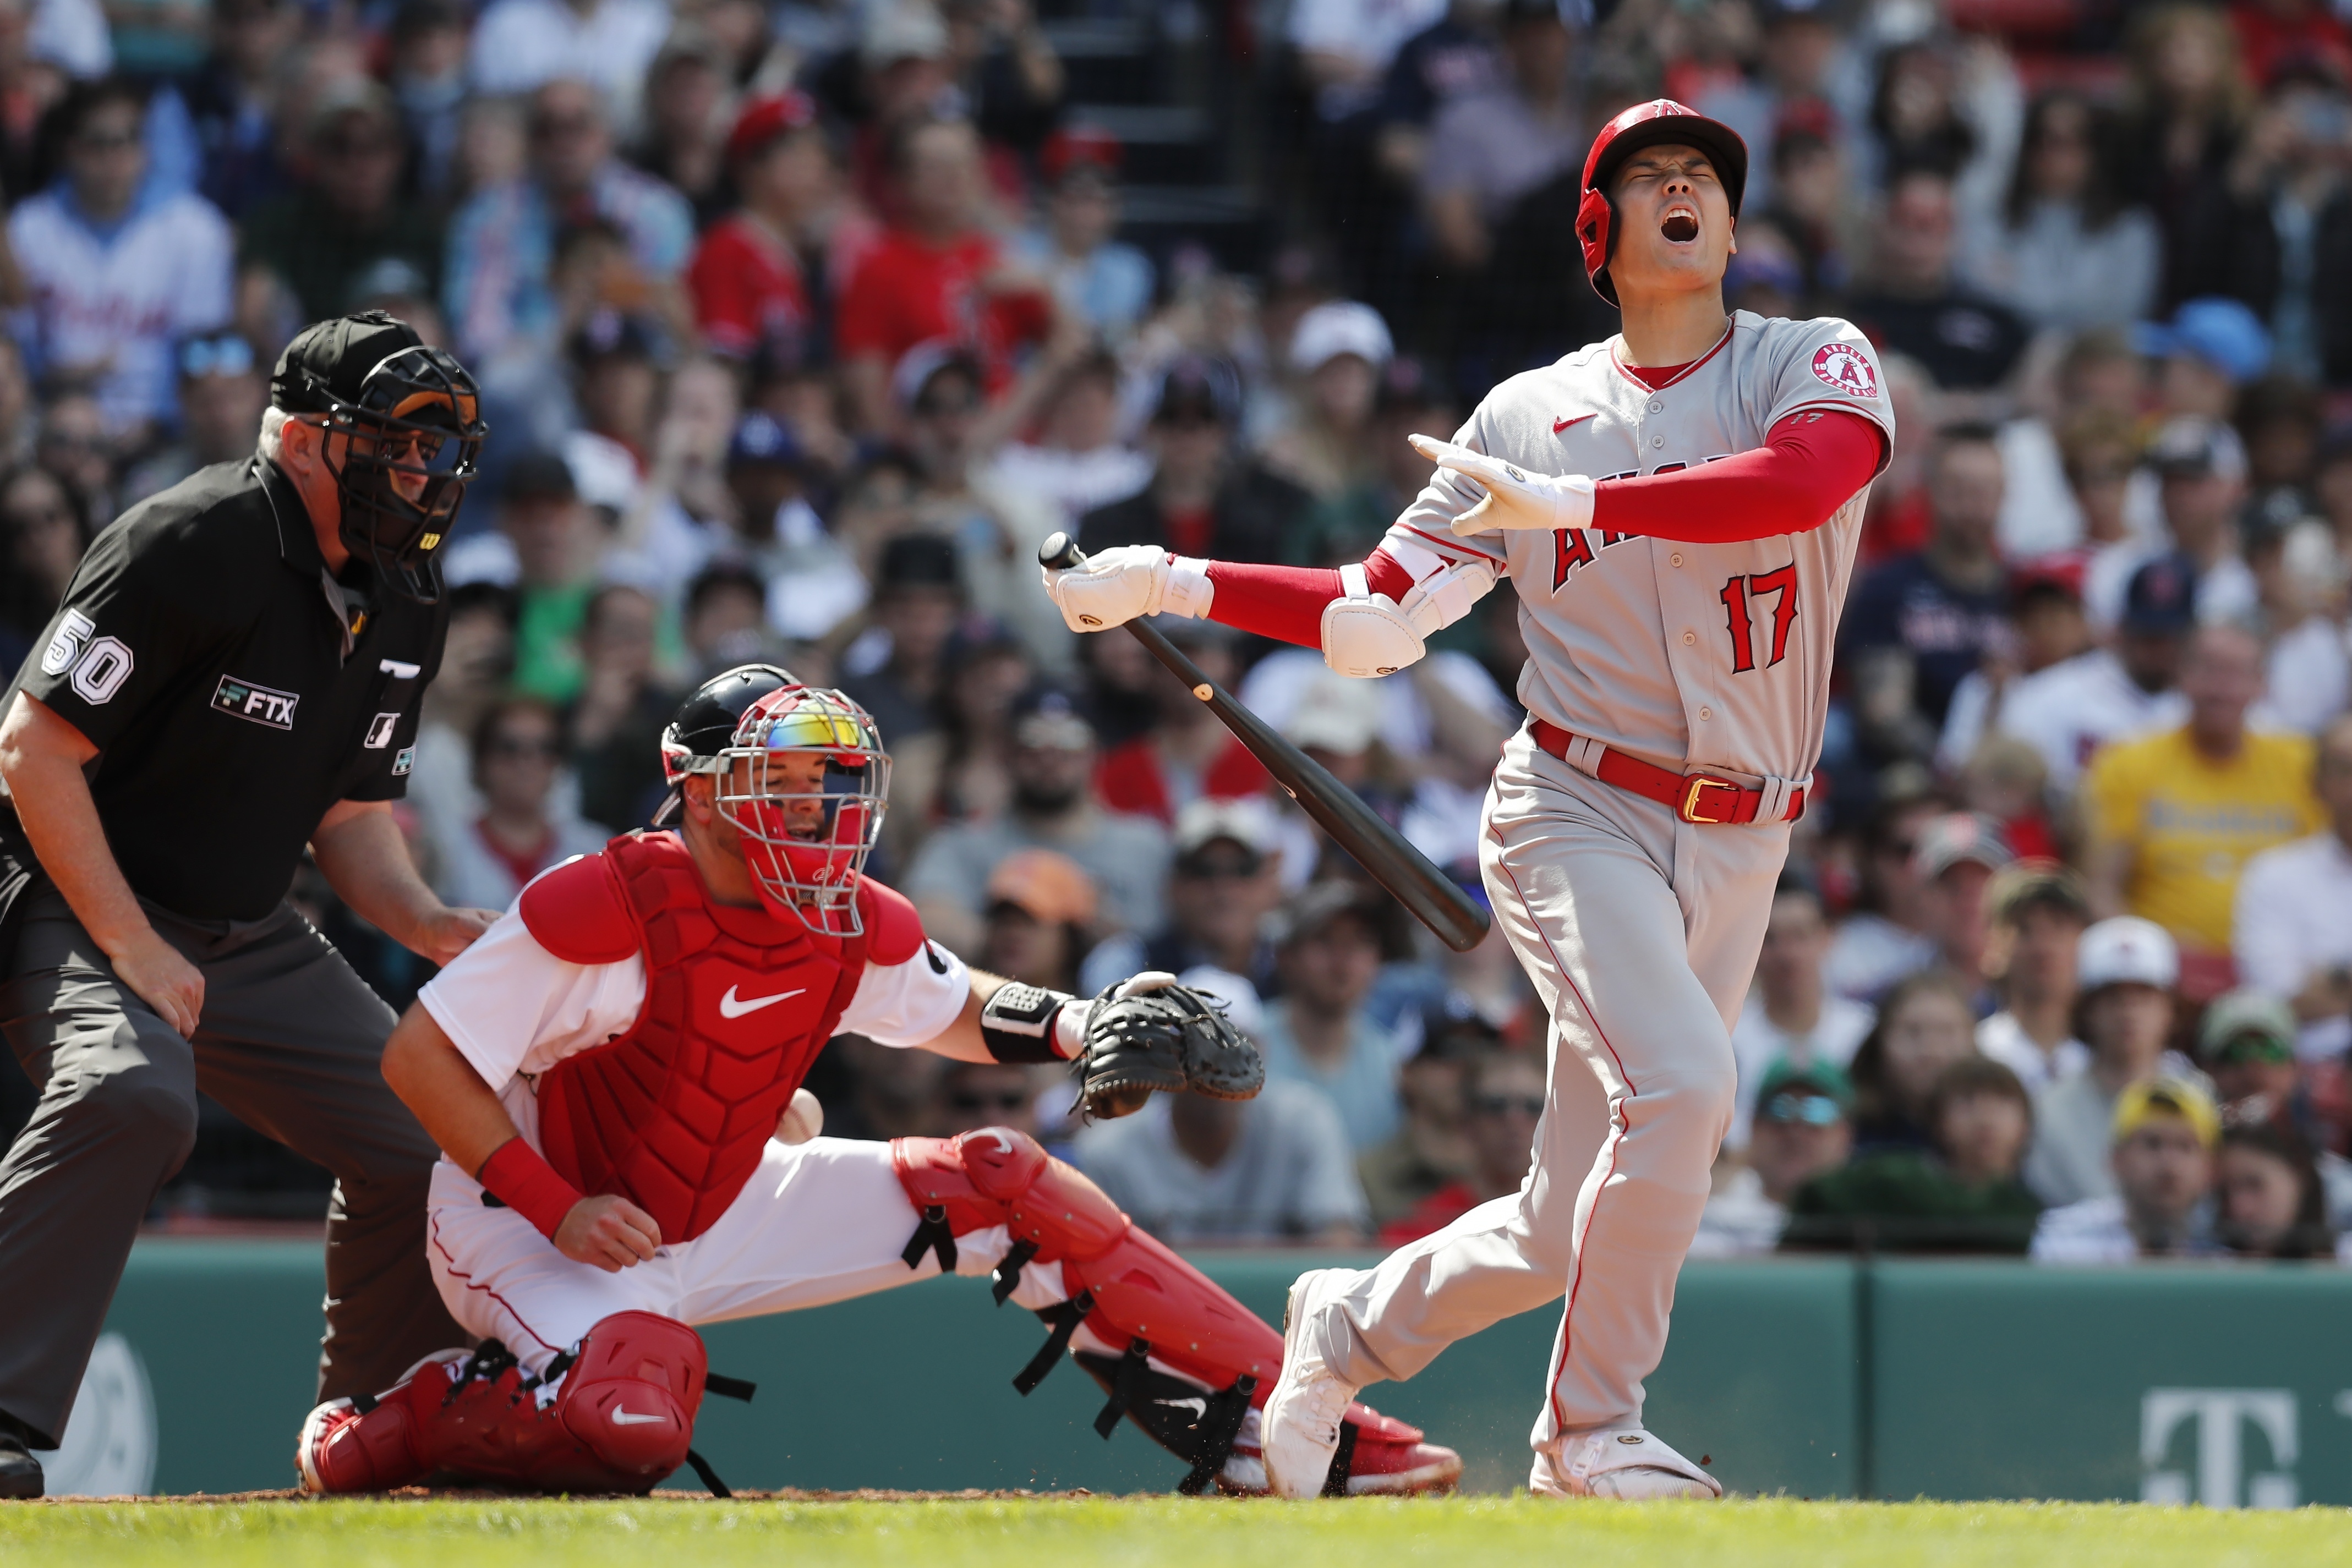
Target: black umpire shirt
234,689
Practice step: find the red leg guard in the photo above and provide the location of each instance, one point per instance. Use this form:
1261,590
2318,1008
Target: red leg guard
1137,1288
623,1421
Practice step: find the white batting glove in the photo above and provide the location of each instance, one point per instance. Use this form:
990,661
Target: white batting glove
1117,585
1515,498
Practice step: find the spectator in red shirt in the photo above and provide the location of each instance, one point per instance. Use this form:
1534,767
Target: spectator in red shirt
1505,1095
1188,754
748,286
937,273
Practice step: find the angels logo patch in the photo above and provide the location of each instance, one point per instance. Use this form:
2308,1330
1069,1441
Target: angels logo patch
1846,368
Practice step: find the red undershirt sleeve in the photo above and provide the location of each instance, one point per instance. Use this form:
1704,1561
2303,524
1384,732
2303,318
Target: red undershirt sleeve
1810,464
1813,462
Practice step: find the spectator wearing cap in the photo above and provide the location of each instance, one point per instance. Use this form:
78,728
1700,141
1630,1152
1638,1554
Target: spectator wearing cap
1337,353
1802,1129
546,550
2127,968
2246,1044
1926,1023
937,273
2067,712
1915,305
1053,807
1038,919
1430,1151
346,211
1099,280
119,272
1333,936
222,392
2174,816
1204,499
1223,882
2201,466
1076,464
1346,527
1879,942
498,283
724,620
1503,1099
522,46
1791,1014
813,581
895,670
2209,348
2158,1200
1188,755
428,79
1488,149
2040,911
2292,925
750,289
1195,1170
681,128
1959,855
1961,1193
2068,252
1938,611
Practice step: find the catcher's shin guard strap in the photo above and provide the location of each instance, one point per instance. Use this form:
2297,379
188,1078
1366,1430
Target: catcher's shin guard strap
709,1477
1006,1279
1065,1319
1343,1460
1219,1425
933,1234
1125,1385
1016,1023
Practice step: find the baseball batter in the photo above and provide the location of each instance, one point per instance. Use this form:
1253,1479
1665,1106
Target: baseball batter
609,1072
1678,508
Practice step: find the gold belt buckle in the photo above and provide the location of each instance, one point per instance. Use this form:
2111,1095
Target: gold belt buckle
1700,783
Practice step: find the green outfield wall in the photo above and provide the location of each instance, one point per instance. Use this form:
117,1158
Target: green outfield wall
2226,1385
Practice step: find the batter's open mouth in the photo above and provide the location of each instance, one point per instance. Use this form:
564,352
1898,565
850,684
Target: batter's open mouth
1680,228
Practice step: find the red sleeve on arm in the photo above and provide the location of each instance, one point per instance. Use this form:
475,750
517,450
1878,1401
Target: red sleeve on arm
1286,602
1813,463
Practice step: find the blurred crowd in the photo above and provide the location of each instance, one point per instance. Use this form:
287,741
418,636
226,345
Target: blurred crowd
801,323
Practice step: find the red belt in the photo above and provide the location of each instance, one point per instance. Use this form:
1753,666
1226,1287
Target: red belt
1702,797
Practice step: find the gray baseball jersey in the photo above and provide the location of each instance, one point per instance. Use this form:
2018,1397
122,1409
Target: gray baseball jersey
1716,656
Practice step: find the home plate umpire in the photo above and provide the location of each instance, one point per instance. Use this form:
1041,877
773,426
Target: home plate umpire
234,674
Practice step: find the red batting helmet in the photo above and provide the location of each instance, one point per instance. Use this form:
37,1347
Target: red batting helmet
1647,124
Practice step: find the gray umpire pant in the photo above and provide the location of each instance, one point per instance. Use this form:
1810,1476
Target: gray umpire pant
290,1041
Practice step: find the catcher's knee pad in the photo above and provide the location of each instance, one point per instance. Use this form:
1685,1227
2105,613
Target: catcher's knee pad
631,1395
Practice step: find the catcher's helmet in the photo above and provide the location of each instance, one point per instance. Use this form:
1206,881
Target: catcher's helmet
699,733
1661,120
409,415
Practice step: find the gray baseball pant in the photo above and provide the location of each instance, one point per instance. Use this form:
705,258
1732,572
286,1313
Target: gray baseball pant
290,1041
1640,933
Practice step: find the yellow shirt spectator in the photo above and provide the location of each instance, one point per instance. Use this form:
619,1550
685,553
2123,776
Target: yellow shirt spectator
2190,823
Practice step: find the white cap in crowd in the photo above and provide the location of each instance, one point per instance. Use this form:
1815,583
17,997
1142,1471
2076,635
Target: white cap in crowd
1339,327
2127,950
1243,1009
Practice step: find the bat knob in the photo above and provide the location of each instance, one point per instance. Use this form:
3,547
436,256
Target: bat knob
1059,551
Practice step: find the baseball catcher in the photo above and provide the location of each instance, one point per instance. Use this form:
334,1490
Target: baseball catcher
606,1072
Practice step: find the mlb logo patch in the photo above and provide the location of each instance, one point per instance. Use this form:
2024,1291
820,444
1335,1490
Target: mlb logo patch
379,731
1846,368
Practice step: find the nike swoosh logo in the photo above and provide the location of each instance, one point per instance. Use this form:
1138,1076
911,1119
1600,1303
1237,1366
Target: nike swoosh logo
1559,424
1200,1407
622,1418
729,1008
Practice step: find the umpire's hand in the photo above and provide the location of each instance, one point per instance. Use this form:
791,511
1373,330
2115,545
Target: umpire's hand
160,977
442,936
609,1232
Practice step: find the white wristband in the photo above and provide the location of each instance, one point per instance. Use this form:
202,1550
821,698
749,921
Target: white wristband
1189,591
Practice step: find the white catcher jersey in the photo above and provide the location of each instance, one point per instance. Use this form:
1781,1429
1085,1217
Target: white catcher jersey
1714,656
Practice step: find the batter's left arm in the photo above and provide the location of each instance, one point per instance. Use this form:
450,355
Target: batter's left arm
366,862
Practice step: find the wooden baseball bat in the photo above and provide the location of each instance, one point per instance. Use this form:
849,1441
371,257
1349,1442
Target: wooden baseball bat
1433,896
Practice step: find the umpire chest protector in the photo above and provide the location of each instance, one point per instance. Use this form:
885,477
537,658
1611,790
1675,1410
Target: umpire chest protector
673,1115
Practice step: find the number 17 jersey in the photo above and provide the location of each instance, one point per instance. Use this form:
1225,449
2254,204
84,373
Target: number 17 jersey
1699,656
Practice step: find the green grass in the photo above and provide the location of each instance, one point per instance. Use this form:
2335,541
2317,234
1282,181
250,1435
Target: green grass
1149,1533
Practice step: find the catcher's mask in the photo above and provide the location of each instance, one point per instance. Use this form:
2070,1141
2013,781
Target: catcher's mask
405,455
803,782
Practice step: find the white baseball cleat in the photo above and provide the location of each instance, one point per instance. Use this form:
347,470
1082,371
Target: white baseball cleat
1299,1427
1622,1462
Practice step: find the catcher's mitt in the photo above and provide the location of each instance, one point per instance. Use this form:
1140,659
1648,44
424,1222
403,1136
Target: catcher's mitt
1150,1033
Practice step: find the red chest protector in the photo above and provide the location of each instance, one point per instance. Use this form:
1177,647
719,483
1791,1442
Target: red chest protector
674,1114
